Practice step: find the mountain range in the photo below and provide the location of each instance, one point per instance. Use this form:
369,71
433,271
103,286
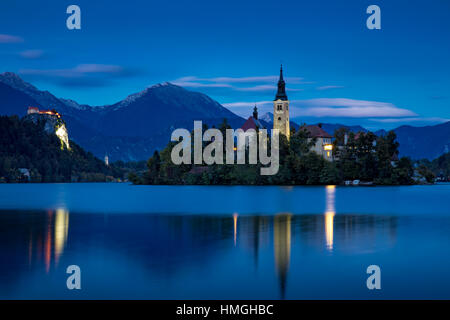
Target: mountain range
134,127
128,130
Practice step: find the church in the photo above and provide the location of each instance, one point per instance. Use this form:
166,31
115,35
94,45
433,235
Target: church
323,145
281,108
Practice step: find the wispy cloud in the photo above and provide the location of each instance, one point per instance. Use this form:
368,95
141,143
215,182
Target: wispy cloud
264,87
192,84
332,107
236,105
82,75
78,71
7,38
410,119
31,54
261,79
322,88
350,108
260,83
244,109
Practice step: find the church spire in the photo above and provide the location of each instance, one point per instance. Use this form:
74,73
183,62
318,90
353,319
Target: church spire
281,93
255,113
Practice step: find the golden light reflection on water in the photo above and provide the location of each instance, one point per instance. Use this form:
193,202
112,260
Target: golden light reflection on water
48,241
55,235
329,215
235,216
61,232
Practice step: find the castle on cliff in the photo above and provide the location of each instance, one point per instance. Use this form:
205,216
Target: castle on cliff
53,123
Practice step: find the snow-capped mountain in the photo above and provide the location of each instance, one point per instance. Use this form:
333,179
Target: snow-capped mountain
44,98
267,117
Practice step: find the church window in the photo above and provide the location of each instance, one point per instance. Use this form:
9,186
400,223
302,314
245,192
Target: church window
279,118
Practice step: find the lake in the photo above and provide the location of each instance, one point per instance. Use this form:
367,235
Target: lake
224,242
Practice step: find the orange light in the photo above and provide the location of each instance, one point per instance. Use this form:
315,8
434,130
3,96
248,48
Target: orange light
328,147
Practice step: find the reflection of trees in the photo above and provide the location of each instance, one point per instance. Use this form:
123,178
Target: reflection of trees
165,244
345,232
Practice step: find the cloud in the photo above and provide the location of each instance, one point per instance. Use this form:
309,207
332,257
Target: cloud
192,84
264,87
350,108
410,119
322,88
234,105
82,75
78,71
332,107
7,38
256,79
244,109
261,83
31,54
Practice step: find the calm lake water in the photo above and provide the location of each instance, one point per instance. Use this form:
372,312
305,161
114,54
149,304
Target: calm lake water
194,242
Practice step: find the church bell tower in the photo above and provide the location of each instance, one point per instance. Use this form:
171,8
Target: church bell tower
281,108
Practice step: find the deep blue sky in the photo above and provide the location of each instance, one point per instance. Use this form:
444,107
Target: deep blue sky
337,70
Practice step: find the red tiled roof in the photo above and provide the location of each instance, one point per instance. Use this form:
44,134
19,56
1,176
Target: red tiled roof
317,132
251,123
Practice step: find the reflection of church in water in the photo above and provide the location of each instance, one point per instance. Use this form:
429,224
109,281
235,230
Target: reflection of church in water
328,232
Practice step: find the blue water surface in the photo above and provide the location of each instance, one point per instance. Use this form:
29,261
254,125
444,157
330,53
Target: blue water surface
217,242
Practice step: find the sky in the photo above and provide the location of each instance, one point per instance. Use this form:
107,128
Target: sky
336,69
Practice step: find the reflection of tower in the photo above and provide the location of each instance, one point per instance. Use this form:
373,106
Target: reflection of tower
329,215
282,247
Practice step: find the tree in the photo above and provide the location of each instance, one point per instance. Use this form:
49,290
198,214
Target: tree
386,150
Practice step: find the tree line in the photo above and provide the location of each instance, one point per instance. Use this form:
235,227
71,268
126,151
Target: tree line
365,157
26,145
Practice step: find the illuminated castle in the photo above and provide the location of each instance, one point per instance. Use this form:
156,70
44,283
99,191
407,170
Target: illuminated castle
54,124
32,110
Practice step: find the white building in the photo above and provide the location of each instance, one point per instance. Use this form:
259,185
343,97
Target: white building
323,146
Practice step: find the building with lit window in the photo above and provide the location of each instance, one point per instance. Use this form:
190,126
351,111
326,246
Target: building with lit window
323,146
